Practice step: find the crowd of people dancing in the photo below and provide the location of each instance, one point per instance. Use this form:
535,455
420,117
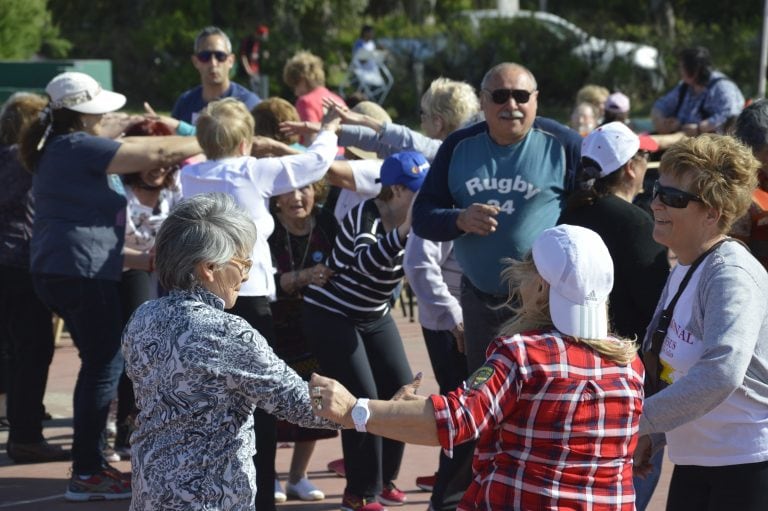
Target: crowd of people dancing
590,297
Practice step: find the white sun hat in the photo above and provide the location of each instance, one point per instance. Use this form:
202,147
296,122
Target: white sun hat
81,93
579,270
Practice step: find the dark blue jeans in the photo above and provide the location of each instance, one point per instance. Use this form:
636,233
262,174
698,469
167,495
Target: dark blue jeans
368,358
25,323
91,310
644,487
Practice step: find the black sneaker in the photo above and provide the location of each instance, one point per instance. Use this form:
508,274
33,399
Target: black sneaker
37,452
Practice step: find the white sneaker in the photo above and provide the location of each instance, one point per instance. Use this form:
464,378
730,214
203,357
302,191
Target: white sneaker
280,495
110,455
304,490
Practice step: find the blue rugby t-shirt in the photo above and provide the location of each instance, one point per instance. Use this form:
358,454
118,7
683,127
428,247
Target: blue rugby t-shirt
525,180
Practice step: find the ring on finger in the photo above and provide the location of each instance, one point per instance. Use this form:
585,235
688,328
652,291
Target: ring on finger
318,402
317,391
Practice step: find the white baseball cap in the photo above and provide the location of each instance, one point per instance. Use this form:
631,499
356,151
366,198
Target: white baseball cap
610,146
81,93
579,270
617,103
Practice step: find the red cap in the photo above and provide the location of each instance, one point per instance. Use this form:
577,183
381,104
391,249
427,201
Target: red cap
647,143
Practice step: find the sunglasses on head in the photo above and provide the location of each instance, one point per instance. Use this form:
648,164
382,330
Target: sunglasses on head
501,96
205,55
673,197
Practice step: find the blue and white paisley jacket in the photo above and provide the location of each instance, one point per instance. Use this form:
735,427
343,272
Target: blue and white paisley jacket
198,374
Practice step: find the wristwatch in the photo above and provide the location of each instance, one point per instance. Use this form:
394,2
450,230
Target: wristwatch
361,414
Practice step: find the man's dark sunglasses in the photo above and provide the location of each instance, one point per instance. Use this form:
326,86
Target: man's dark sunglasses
205,56
501,96
673,197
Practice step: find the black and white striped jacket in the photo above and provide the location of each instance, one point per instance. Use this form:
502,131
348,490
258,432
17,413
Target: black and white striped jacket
367,262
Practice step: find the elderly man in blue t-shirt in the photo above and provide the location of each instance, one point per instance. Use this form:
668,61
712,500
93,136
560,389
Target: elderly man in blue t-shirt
213,59
493,188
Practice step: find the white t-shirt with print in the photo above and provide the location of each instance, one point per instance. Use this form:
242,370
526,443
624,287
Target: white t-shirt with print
143,222
736,431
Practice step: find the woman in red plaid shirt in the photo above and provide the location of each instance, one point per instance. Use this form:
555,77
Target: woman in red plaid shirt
554,409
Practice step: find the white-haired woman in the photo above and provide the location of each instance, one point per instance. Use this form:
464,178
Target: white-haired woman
199,372
225,131
556,405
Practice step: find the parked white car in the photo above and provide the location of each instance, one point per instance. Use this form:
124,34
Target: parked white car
596,52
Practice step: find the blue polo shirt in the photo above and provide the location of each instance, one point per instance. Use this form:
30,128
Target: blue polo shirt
191,102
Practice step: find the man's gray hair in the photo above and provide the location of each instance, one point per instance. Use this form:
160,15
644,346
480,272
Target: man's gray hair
752,125
207,228
505,65
208,32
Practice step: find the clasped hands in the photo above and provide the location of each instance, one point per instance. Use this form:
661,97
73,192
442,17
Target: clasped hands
332,401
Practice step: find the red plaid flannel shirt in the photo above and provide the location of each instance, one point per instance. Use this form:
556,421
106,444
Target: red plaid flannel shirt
555,425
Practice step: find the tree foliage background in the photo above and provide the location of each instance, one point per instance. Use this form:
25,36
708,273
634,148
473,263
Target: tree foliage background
150,41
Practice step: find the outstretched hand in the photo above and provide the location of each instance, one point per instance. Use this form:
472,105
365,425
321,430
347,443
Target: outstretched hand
408,391
299,128
265,146
346,115
331,120
331,400
167,120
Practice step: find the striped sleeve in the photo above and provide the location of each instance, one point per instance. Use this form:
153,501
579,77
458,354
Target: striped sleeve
358,246
367,266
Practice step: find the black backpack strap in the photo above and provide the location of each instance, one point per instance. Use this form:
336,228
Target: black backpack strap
680,96
651,358
703,112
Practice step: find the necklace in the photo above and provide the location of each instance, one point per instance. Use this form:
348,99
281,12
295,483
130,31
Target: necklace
289,243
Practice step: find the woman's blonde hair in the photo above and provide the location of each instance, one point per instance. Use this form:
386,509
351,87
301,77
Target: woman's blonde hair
304,66
723,172
222,126
593,94
531,310
455,102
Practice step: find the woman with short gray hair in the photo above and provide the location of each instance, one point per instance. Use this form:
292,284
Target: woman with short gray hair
199,372
212,228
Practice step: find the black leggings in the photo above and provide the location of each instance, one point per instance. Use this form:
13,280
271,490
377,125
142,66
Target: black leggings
369,360
256,311
25,325
731,487
135,289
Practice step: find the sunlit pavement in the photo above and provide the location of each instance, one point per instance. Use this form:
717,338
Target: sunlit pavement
41,486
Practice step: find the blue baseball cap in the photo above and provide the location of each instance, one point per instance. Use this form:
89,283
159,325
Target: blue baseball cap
408,168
